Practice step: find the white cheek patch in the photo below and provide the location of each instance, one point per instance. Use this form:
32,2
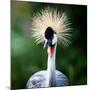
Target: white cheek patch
54,41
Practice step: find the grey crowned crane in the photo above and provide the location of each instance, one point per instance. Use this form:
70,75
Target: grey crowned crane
51,27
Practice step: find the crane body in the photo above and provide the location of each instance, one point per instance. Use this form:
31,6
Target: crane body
38,80
52,27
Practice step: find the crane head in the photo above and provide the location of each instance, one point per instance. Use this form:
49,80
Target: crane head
52,26
50,40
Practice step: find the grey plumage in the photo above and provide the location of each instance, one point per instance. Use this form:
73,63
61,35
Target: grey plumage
38,80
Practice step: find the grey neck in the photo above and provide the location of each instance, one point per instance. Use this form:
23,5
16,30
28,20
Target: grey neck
51,70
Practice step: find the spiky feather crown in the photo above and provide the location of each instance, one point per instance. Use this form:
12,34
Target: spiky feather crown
55,19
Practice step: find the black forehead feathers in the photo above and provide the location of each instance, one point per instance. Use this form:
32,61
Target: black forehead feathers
49,33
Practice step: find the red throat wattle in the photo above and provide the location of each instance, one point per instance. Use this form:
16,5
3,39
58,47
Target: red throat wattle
51,51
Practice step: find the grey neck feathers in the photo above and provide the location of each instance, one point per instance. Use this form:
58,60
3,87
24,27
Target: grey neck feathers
51,70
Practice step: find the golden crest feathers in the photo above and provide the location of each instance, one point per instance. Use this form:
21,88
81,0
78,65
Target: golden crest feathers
55,19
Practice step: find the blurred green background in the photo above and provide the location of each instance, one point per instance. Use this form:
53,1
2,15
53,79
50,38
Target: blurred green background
27,58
